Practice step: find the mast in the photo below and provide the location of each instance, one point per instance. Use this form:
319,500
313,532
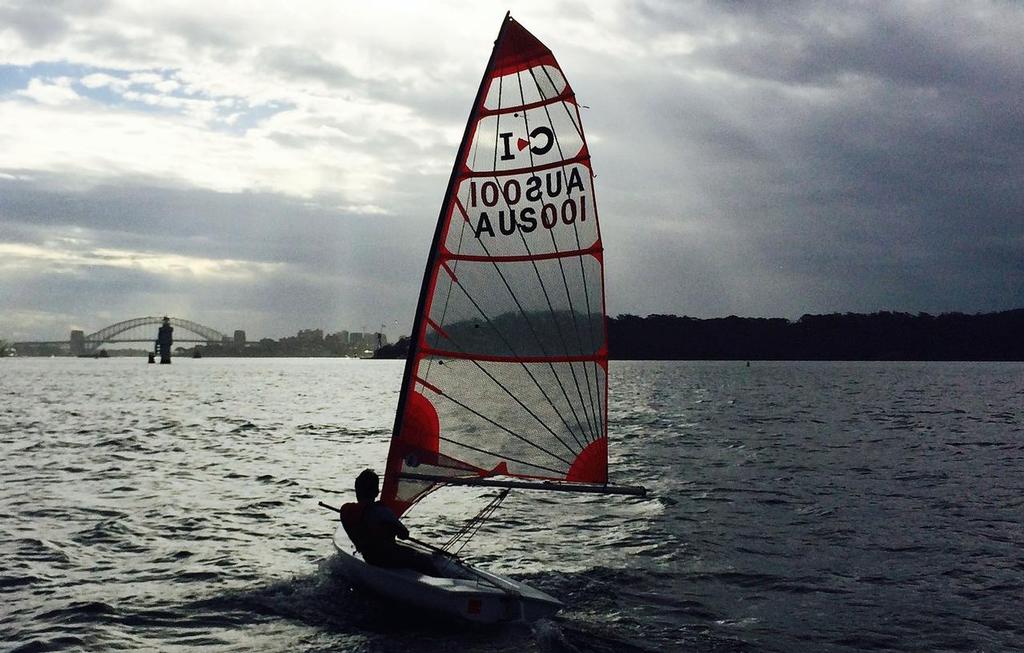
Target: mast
418,319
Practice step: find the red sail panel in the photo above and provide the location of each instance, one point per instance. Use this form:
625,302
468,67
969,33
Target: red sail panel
508,367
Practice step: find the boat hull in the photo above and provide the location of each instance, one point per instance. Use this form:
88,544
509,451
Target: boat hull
464,592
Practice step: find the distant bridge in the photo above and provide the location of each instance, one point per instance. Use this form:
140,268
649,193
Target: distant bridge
115,333
138,329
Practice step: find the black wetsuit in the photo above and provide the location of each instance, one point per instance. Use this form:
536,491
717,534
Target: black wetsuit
372,527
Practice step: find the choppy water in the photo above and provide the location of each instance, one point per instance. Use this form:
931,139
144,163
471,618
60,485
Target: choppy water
796,507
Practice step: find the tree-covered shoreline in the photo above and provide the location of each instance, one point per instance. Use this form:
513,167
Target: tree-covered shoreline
882,336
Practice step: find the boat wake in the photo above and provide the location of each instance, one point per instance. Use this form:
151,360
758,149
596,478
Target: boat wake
601,617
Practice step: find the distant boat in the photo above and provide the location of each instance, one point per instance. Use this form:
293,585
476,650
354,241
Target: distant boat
506,379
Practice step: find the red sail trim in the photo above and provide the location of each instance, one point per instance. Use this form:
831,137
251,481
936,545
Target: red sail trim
436,327
428,386
450,272
518,49
583,156
515,50
427,301
594,250
565,96
525,64
390,488
462,211
491,358
591,465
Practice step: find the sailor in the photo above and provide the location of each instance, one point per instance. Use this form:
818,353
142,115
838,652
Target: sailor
372,527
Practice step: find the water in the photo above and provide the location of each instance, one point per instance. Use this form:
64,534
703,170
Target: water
795,507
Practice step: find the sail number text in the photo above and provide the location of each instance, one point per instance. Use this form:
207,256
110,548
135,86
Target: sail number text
547,190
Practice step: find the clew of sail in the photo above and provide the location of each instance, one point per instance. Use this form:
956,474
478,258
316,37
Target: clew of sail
508,363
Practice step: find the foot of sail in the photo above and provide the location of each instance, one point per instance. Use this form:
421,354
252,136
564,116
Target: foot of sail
553,486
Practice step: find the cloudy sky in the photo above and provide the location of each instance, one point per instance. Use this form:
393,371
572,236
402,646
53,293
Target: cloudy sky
276,166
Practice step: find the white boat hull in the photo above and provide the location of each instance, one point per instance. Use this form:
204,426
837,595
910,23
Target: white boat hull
464,592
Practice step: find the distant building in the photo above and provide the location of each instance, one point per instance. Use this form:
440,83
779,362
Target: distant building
359,339
239,336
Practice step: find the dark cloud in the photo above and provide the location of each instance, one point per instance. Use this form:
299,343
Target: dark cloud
41,23
783,158
335,268
834,156
204,35
36,24
260,227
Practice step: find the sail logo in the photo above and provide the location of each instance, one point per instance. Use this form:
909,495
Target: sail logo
552,198
543,135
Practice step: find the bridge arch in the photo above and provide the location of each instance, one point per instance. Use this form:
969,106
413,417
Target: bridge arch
109,334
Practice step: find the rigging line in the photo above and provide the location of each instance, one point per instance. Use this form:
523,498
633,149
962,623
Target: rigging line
561,154
482,514
448,295
476,150
536,337
526,317
504,280
523,311
577,125
592,425
533,330
480,367
501,456
469,531
541,422
503,428
561,337
602,397
558,326
593,422
525,368
599,419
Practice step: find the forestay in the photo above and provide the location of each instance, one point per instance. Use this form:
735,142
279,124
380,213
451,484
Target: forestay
508,362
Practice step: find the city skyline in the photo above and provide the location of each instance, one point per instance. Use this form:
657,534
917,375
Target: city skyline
284,169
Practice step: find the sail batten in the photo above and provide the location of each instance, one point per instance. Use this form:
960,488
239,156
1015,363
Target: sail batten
508,363
581,156
593,250
564,97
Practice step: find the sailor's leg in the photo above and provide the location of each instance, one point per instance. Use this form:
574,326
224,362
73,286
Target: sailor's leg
415,560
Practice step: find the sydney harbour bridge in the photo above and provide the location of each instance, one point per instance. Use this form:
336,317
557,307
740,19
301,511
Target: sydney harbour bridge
140,330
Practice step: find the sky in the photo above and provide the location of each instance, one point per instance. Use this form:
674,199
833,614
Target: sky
275,166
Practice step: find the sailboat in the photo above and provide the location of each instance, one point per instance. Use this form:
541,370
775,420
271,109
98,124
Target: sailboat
506,380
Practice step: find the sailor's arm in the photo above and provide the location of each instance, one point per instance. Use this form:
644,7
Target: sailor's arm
399,529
